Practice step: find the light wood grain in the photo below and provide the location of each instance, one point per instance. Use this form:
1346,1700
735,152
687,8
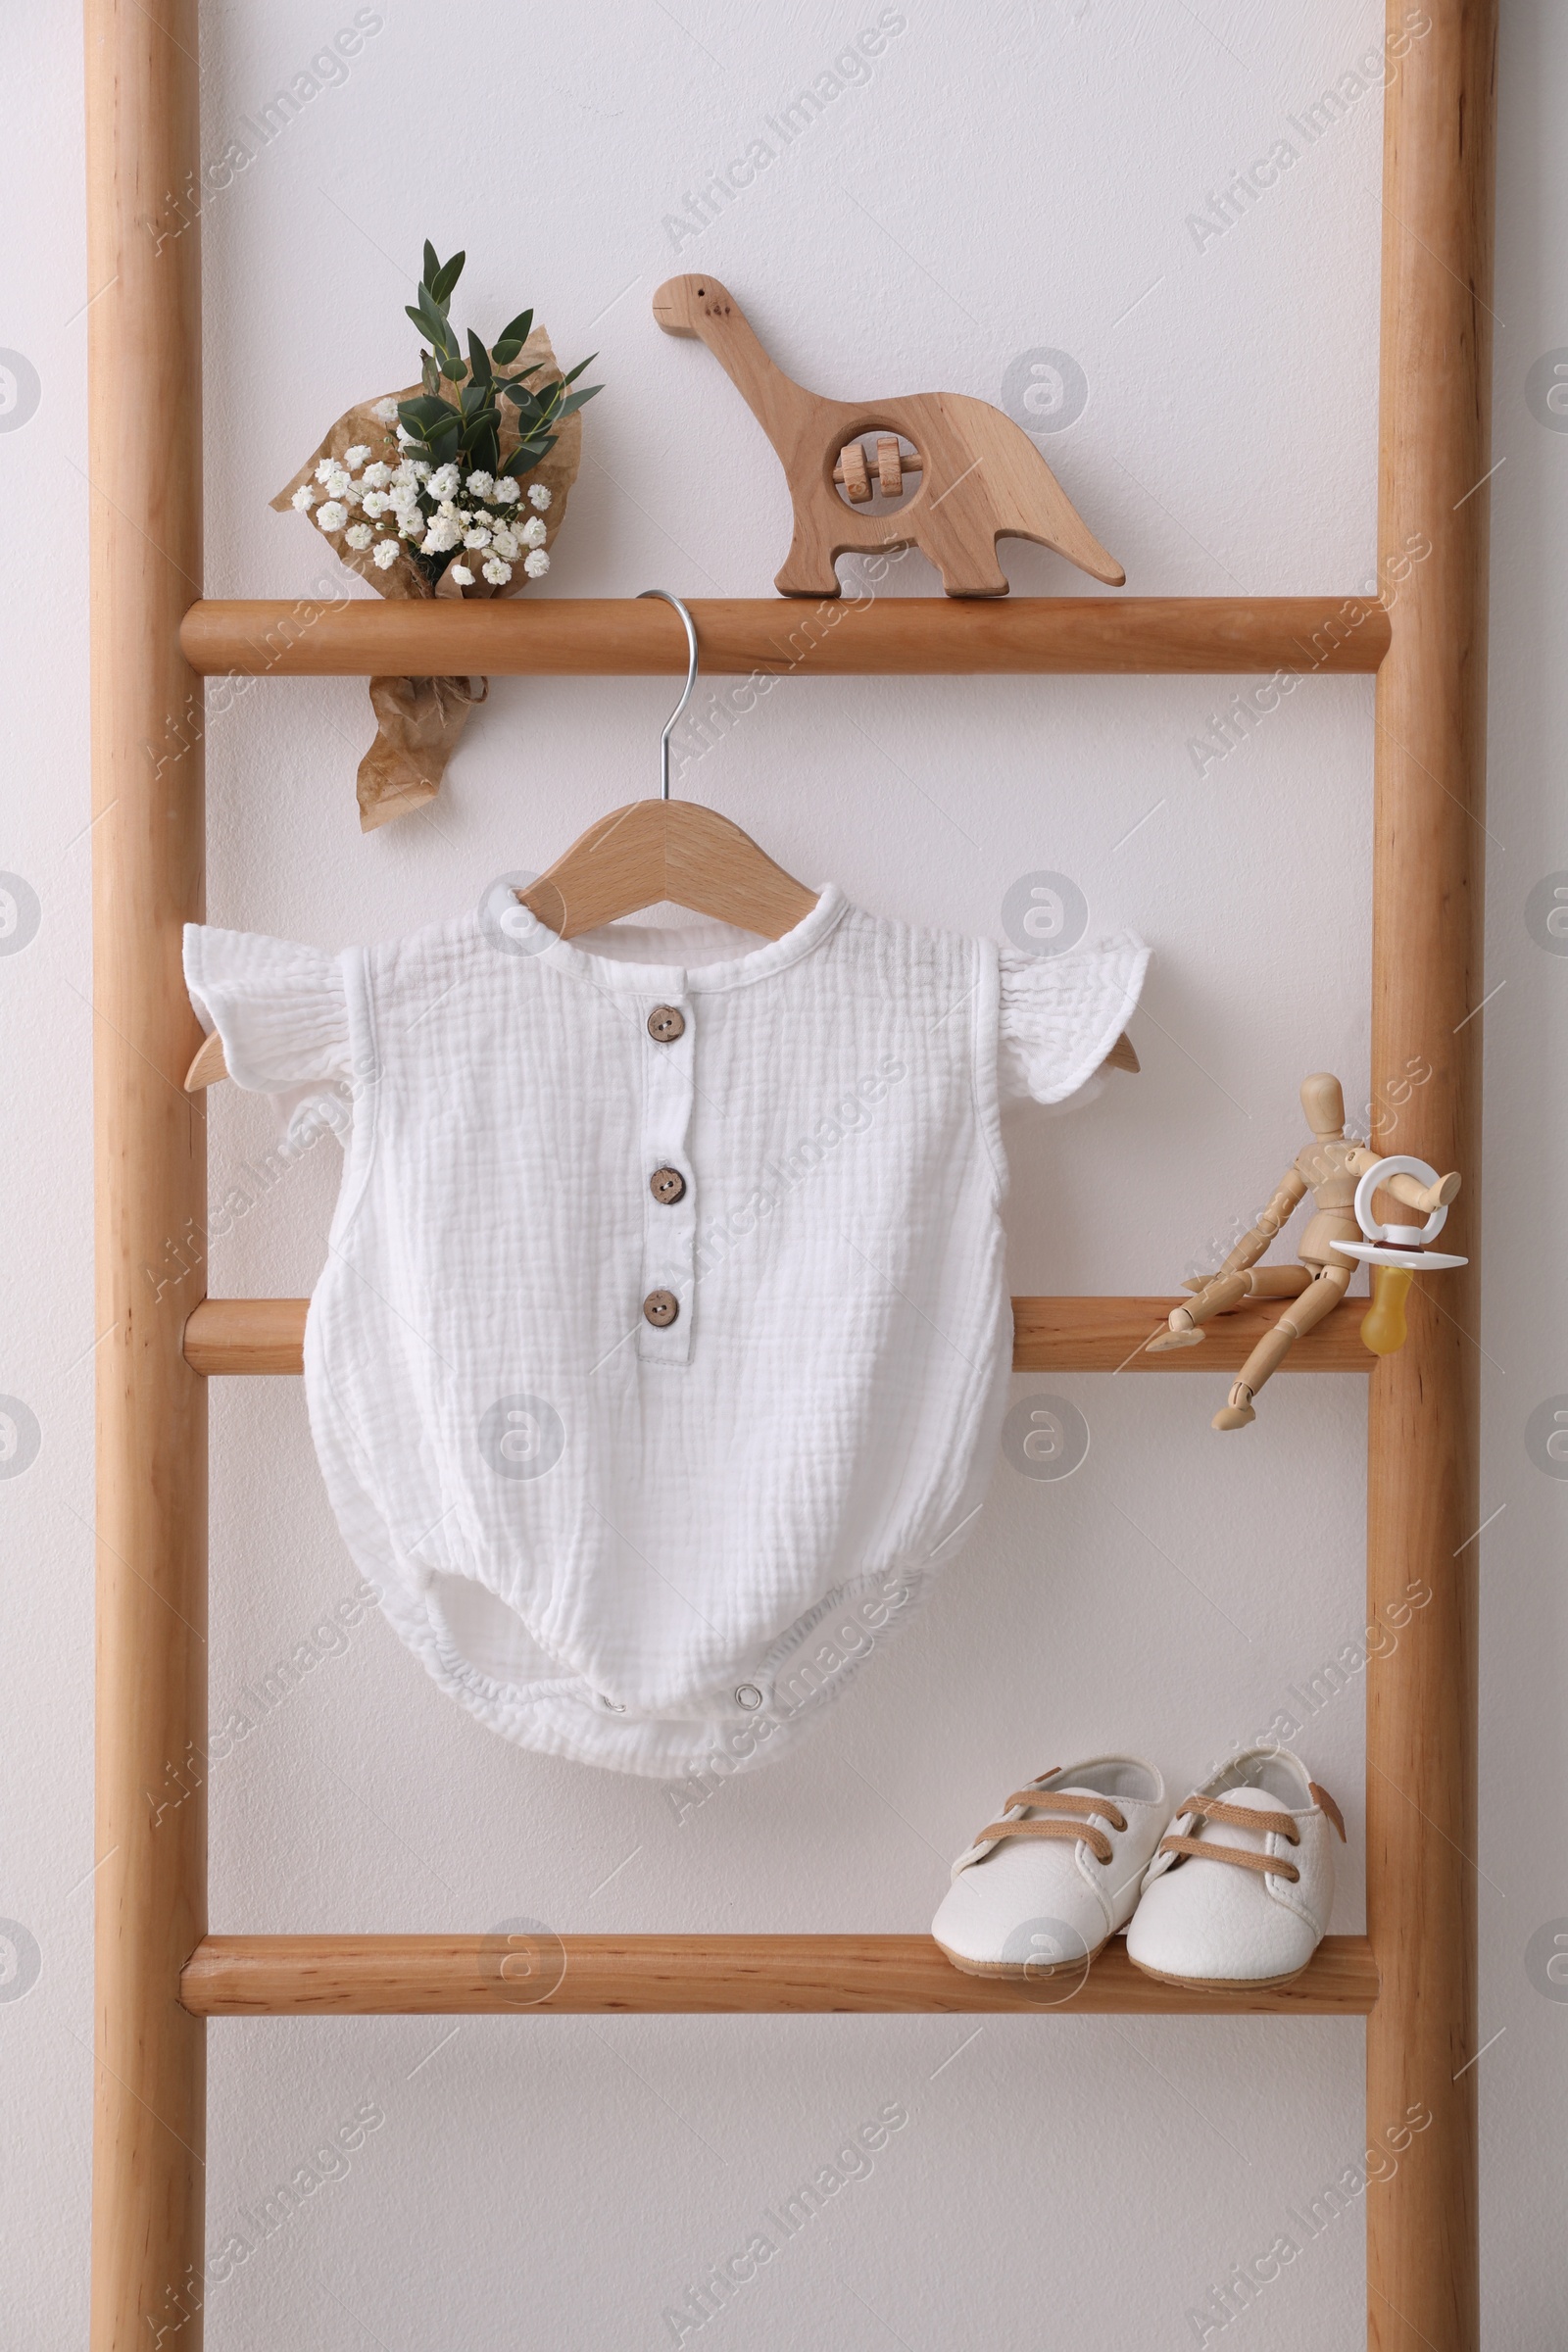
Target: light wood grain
380,1976
1423,1492
656,849
853,473
897,636
982,478
1110,1335
1050,1335
144,477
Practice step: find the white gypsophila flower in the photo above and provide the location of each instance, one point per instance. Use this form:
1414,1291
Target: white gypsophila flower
326,469
359,534
444,481
496,572
357,454
408,440
532,534
440,535
503,542
386,410
463,575
476,538
480,484
538,497
446,510
376,477
338,484
537,564
411,527
332,515
507,492
303,500
421,468
385,555
375,501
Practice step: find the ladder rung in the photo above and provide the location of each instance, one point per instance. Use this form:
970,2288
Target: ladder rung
381,1975
907,635
1050,1335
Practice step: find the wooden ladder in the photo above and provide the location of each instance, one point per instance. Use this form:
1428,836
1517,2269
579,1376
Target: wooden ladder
160,1973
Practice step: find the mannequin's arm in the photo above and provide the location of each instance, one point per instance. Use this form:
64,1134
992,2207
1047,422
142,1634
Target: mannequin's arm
1424,1196
1287,1197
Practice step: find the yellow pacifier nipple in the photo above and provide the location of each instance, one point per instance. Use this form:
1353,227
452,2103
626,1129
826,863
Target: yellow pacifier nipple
1383,1329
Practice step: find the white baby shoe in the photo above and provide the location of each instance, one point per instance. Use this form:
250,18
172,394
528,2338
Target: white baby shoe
1044,1888
1239,1891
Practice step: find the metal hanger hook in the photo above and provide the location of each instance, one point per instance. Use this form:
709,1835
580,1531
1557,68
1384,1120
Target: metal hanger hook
690,627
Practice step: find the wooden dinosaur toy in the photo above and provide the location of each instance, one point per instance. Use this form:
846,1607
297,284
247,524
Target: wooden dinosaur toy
981,478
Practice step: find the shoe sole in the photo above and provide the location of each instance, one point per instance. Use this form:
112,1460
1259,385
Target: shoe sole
1025,1969
1222,1984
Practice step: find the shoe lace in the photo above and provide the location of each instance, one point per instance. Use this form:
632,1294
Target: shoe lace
1077,1826
1236,1817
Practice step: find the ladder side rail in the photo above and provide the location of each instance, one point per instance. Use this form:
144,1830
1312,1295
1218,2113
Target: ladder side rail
1422,1440
150,1888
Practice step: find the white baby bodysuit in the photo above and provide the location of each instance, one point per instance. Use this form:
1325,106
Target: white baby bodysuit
663,1313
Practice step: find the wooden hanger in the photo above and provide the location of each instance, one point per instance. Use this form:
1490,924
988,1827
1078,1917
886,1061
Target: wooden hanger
656,849
646,853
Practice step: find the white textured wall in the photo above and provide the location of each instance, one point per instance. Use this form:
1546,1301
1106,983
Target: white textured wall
1008,178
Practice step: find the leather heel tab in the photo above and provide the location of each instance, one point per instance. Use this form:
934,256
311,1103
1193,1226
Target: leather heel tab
1321,1796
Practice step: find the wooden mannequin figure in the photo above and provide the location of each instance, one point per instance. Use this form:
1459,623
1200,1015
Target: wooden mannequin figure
1328,1167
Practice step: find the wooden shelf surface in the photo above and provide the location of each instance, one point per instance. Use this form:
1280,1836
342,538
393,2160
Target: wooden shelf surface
780,636
1050,1335
382,1976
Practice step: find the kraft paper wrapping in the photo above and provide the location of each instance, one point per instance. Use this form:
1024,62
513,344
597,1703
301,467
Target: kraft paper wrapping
419,721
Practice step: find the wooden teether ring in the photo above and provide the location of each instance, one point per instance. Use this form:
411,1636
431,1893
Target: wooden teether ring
851,471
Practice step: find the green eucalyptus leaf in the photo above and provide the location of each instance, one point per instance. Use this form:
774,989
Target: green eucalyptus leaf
513,336
435,322
527,455
581,365
447,278
432,267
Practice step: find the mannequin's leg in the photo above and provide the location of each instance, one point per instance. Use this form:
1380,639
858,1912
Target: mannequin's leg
1222,1293
1320,1297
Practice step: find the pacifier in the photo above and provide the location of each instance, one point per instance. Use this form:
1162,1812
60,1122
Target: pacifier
1399,1253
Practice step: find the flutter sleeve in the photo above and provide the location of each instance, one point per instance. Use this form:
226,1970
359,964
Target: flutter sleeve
282,1013
1059,1015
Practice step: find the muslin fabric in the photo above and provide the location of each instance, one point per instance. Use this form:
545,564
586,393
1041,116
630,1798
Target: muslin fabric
640,1544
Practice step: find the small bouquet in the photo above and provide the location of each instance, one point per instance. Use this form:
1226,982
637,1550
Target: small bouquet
425,494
